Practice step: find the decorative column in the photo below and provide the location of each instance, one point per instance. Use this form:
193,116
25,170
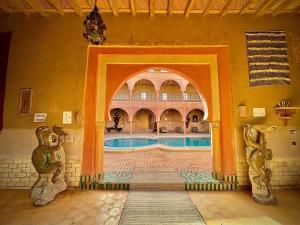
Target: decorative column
216,147
131,126
183,113
99,154
130,111
130,95
157,110
157,95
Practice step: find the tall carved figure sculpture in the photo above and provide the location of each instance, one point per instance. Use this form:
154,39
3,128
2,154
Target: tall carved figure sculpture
48,158
257,154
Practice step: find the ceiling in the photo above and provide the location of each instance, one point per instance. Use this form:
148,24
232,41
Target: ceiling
152,7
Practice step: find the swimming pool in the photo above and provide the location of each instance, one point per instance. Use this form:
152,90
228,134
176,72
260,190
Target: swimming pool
162,142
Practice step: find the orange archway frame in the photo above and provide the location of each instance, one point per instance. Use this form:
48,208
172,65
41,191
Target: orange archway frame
206,66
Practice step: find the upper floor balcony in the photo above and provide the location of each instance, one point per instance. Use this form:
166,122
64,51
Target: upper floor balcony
143,96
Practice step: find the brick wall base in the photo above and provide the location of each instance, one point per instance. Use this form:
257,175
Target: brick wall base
20,173
285,173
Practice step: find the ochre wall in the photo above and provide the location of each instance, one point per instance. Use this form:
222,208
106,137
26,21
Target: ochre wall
49,55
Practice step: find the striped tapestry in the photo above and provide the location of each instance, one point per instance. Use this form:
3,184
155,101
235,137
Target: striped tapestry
267,58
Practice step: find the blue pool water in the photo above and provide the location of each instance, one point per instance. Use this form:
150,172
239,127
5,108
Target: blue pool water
146,142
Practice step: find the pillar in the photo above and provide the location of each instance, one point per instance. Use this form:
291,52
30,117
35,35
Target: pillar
130,111
157,110
131,126
130,95
184,130
157,95
99,154
216,147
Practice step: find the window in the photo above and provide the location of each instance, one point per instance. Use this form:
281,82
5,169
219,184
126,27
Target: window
143,95
185,96
164,96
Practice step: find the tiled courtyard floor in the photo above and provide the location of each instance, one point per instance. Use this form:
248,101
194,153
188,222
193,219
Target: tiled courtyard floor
181,161
104,207
192,167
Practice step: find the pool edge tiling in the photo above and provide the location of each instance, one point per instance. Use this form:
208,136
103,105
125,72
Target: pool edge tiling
166,143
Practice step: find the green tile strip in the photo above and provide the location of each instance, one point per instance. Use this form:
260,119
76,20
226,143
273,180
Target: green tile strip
210,186
207,181
194,180
198,177
118,180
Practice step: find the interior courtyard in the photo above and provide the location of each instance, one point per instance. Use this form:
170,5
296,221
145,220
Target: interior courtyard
149,112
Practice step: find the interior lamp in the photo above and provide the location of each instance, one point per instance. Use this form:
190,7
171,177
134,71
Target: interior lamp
94,27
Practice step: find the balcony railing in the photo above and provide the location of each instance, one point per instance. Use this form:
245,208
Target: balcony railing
170,97
121,97
193,98
162,97
147,97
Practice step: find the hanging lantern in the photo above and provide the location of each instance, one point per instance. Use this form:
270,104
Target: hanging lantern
94,27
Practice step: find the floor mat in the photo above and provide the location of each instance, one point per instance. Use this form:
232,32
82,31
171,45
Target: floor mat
160,207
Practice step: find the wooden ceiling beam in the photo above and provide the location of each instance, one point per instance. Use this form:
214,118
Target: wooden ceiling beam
280,7
132,7
224,10
113,6
189,8
170,7
91,3
4,7
151,8
205,11
76,7
56,5
261,10
37,6
19,6
247,5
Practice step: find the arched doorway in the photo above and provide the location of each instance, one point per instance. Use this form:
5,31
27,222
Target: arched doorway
171,121
170,90
103,78
119,121
143,121
195,122
143,90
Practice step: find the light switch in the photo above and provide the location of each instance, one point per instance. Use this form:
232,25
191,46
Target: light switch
67,117
259,112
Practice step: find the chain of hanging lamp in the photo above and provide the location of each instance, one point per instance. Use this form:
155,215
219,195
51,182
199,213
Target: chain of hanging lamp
94,27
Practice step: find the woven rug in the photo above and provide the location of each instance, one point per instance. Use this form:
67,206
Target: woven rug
159,207
267,58
156,178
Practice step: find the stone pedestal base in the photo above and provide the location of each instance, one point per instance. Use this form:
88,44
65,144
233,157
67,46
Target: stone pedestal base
271,200
46,193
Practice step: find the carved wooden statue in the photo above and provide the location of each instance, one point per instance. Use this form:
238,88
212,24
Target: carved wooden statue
257,155
48,158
